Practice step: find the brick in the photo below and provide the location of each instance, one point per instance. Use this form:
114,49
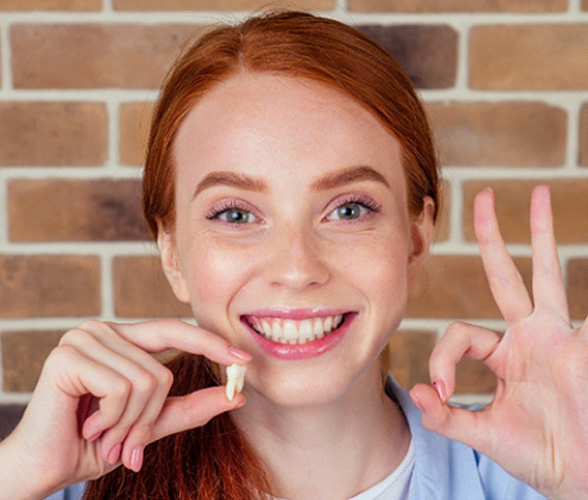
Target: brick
75,210
583,155
49,286
474,377
584,4
442,227
570,208
134,132
52,134
23,355
95,55
506,134
409,356
456,287
428,53
65,5
242,5
529,57
577,280
142,291
458,5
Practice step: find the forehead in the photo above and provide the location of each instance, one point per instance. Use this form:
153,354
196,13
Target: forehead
254,120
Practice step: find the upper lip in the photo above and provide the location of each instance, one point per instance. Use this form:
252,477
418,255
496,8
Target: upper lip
296,313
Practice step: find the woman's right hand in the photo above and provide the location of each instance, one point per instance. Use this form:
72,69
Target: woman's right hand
102,398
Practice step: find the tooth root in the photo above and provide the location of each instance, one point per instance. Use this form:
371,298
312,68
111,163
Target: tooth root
240,384
235,380
230,389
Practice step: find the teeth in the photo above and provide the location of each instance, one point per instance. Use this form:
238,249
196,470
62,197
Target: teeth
295,332
235,379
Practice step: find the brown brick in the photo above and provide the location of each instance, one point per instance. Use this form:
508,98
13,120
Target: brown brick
75,210
584,4
442,228
71,5
577,280
499,134
569,201
95,55
458,5
428,53
49,286
529,57
52,134
409,356
583,154
474,377
23,355
142,291
242,5
134,132
456,287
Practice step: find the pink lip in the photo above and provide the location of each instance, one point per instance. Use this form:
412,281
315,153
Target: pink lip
295,352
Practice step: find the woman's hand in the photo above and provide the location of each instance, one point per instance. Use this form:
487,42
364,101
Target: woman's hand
61,440
536,427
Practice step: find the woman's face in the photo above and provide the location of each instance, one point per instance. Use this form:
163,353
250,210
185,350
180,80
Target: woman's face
292,238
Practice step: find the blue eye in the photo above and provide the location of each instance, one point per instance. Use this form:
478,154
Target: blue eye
354,208
236,216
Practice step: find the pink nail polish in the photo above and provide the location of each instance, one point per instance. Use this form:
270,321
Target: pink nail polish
114,454
137,458
439,386
239,353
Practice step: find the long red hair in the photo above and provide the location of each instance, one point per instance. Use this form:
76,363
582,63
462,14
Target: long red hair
214,462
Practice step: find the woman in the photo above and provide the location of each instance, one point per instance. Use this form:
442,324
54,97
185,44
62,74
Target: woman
291,184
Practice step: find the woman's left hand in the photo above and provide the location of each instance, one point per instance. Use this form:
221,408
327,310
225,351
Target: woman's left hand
536,427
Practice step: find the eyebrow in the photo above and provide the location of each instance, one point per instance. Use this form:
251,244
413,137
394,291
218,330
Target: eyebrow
348,175
329,181
229,179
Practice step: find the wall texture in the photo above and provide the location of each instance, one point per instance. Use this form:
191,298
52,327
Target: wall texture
505,83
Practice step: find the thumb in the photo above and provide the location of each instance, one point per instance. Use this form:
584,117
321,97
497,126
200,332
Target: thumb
454,423
182,413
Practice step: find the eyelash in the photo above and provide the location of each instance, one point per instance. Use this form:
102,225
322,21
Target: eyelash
225,206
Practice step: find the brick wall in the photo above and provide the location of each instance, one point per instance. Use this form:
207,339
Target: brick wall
505,82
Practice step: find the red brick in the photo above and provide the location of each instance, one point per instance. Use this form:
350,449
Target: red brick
95,55
428,53
65,5
569,201
456,287
577,280
52,134
142,291
49,286
241,5
134,132
409,356
23,355
529,57
458,5
442,228
499,134
583,140
75,210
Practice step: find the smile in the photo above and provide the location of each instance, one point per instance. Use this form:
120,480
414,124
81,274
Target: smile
295,332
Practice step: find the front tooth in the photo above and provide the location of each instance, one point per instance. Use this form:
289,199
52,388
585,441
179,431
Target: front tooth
317,327
328,323
306,331
290,332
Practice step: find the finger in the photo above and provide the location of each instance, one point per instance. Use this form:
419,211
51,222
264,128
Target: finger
548,284
160,335
504,279
454,423
459,340
193,410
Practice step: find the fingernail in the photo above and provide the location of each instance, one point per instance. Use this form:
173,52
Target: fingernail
417,402
93,438
137,458
239,353
114,454
439,386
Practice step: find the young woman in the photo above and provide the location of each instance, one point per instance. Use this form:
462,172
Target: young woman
291,185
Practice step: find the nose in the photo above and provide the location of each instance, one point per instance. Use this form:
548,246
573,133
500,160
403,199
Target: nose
294,260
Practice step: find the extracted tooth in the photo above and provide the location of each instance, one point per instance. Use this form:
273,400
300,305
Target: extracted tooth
235,379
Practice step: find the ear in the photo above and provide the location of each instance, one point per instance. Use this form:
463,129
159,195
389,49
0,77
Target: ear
421,237
170,262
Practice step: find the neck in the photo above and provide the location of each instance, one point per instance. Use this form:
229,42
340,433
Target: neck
333,451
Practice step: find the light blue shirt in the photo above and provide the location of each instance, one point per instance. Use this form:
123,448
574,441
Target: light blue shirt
444,469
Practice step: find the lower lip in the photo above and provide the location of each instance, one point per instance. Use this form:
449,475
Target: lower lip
302,351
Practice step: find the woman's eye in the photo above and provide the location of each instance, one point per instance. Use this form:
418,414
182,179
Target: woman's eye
348,211
237,216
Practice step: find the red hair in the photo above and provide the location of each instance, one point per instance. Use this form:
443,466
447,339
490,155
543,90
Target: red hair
215,461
